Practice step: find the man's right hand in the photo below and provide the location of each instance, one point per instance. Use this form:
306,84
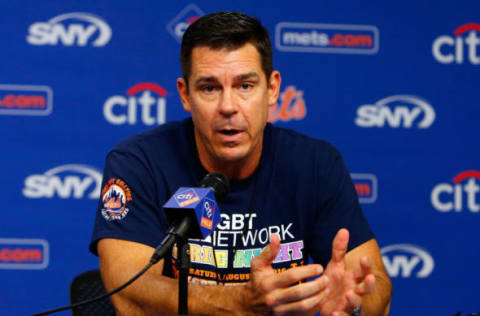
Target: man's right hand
268,292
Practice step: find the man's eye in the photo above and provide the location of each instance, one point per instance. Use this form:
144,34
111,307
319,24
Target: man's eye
246,86
208,88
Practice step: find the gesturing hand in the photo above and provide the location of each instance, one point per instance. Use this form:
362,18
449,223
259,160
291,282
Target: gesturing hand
268,292
346,286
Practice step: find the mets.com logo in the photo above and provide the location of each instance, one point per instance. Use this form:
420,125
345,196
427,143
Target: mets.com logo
291,106
366,185
448,49
66,181
178,25
71,29
459,195
145,101
396,111
23,254
326,38
25,100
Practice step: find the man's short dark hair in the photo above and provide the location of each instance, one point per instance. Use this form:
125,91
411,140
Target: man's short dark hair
226,30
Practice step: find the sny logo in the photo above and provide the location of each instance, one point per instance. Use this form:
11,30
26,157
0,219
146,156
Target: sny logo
177,26
366,185
24,254
326,38
66,181
63,29
448,49
446,197
152,108
400,260
26,100
292,106
396,111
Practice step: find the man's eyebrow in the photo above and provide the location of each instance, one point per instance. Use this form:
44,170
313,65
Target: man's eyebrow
250,75
205,79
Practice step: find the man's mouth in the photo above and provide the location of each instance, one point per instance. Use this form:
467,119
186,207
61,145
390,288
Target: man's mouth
229,132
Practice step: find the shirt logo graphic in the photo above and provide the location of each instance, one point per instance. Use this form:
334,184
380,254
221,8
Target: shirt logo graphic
115,196
71,29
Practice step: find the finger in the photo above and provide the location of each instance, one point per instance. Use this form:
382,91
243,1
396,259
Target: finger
340,244
367,286
353,299
297,292
294,275
266,257
364,269
301,306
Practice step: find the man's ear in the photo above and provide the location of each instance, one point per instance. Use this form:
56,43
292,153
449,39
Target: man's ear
274,87
183,93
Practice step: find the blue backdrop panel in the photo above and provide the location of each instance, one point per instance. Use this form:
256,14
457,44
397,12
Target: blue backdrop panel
393,85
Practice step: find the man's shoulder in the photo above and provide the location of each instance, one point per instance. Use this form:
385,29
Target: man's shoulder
293,143
154,140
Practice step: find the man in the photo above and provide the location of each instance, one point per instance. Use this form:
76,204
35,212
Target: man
290,197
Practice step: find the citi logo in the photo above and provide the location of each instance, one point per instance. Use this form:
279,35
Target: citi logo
326,38
66,181
292,106
24,254
179,24
452,49
396,111
145,102
71,29
447,197
405,261
366,185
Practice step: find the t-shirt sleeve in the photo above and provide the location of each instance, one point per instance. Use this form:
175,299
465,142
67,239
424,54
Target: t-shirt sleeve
128,207
338,207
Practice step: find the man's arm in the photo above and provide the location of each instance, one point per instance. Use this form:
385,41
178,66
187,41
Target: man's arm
378,302
154,294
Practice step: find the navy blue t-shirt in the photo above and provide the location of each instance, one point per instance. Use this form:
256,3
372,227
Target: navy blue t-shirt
301,191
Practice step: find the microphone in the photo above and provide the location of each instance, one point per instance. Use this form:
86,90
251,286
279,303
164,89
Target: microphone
193,212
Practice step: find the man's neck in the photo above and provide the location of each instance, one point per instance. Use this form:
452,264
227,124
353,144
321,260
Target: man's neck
237,170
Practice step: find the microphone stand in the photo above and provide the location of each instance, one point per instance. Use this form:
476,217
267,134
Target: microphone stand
184,267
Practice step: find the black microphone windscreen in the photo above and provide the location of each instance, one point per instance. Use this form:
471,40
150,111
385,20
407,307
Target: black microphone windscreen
218,182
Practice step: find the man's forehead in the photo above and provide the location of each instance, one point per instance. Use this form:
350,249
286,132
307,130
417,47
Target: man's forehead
210,62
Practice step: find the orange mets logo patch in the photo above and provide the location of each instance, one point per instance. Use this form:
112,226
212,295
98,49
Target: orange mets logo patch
115,196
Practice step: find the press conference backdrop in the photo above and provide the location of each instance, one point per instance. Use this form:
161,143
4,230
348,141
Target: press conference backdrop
393,84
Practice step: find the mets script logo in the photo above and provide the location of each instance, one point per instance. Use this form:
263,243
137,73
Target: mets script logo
66,181
186,197
366,185
178,25
292,106
26,100
396,111
145,101
24,254
71,29
460,195
326,38
115,196
403,260
453,49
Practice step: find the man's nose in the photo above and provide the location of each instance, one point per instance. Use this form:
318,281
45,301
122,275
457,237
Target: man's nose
227,104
